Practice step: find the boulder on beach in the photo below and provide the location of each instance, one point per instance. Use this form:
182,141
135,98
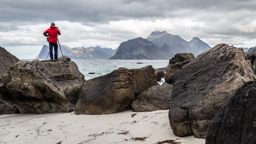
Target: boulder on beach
42,86
201,86
115,91
7,60
155,98
235,122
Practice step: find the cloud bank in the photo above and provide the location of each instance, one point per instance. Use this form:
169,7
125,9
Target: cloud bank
108,23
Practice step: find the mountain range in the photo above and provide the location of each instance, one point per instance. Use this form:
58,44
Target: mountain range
79,52
159,45
251,49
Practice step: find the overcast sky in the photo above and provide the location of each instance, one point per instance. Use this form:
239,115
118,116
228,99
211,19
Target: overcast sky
107,23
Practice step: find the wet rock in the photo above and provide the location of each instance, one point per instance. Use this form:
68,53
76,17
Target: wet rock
42,86
155,98
235,122
201,86
115,91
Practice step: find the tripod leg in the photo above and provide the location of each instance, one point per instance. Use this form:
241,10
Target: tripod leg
60,47
47,55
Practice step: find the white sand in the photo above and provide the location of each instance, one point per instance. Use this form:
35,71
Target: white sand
68,128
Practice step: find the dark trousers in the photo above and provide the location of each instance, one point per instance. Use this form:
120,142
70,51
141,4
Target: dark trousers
55,50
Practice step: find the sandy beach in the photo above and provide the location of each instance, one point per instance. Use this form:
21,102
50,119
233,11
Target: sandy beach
68,128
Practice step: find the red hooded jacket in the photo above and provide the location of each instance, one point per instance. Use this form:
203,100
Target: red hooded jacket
53,32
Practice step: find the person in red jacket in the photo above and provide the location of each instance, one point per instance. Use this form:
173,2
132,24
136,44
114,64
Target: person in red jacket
52,36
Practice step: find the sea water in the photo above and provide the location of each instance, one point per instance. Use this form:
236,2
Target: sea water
102,67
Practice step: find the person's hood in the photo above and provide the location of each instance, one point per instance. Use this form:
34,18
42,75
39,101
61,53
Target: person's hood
52,27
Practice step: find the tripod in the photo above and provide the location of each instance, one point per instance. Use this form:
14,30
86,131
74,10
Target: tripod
59,47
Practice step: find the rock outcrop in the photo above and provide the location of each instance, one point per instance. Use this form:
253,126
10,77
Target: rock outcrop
201,86
181,57
176,63
42,86
235,122
155,98
7,60
115,91
172,69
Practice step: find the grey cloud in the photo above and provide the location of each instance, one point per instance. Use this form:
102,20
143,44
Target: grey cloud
102,11
219,18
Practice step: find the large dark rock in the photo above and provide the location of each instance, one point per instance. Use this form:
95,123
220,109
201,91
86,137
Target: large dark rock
201,86
114,92
7,108
42,86
7,60
235,122
155,98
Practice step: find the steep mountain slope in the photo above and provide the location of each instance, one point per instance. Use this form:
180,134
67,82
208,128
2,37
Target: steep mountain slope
198,46
173,44
137,48
159,45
